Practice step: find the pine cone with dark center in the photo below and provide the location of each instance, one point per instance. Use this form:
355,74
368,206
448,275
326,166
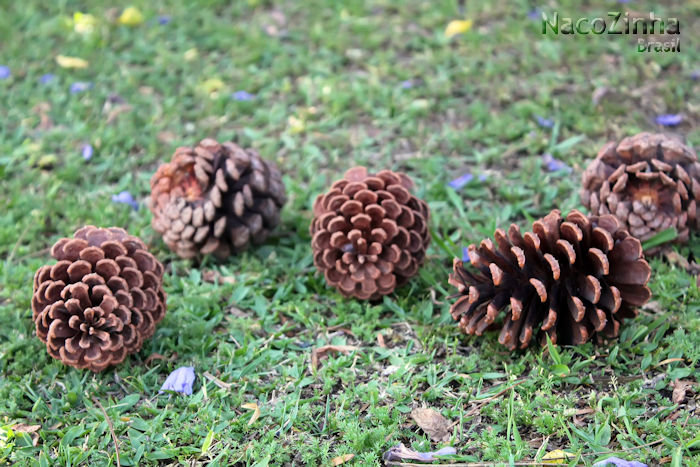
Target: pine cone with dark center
651,182
570,278
100,300
369,233
215,198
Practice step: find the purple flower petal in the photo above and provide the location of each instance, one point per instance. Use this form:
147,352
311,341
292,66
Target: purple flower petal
460,181
180,380
554,165
544,122
80,86
5,72
465,255
86,151
47,78
617,462
695,75
535,14
669,119
242,96
483,177
164,19
126,198
408,84
401,452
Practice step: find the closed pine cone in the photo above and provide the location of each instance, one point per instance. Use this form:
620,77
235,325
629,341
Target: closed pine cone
651,182
215,198
571,278
100,300
369,233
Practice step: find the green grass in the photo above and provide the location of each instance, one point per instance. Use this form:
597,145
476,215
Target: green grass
337,67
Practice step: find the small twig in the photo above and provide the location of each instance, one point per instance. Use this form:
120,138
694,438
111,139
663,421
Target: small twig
111,429
217,381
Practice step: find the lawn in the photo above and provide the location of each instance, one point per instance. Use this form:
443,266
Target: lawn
319,87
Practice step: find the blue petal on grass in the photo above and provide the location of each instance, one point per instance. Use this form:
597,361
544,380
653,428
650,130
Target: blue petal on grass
465,254
544,122
86,151
47,78
126,198
554,165
669,119
80,86
242,96
617,462
164,19
408,84
180,380
5,72
460,181
535,14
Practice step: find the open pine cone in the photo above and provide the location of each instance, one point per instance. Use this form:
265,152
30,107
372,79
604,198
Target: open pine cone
215,198
649,181
100,300
369,233
571,278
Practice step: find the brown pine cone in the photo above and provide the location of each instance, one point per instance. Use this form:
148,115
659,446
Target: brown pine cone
100,300
572,278
369,233
651,182
215,198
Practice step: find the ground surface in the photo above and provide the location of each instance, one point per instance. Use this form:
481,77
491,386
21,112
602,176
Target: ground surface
333,84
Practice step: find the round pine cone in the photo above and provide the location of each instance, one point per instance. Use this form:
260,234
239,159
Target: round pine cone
369,233
100,300
215,198
649,181
573,278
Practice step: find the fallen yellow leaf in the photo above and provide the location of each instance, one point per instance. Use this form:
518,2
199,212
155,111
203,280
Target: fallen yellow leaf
84,23
212,85
296,125
256,411
131,16
342,459
557,456
191,54
71,62
458,26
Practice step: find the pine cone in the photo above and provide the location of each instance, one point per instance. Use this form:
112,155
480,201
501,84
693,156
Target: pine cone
369,233
215,198
649,181
100,300
572,278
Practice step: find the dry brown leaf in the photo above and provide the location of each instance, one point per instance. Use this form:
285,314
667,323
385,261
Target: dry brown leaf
380,340
212,276
319,353
342,459
680,387
166,137
433,423
22,428
256,411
